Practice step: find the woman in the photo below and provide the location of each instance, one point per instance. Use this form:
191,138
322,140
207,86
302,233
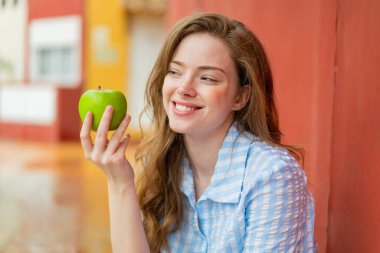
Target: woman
214,174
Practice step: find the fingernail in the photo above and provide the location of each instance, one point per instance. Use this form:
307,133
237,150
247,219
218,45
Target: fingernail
109,108
88,114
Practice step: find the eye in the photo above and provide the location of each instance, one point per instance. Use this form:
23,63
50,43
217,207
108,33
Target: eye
209,79
174,72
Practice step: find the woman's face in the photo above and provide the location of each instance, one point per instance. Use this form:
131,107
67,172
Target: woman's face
200,88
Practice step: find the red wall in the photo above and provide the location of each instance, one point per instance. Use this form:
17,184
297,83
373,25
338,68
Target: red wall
52,8
355,173
325,57
299,37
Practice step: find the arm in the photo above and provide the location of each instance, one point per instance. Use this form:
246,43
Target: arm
277,211
127,231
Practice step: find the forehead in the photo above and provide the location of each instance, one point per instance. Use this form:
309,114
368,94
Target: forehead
204,49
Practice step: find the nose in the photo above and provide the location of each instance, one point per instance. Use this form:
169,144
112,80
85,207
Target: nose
187,88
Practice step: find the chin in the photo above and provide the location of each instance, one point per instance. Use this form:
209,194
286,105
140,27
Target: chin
179,128
176,129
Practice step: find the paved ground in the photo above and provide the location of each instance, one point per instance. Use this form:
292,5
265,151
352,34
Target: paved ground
51,200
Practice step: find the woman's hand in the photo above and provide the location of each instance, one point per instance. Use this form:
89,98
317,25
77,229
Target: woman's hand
127,230
109,155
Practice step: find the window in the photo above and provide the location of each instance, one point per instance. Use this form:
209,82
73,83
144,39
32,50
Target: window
55,64
55,50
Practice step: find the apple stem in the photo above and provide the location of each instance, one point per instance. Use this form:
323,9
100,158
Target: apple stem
99,87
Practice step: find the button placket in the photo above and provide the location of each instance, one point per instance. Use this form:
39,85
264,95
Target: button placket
197,226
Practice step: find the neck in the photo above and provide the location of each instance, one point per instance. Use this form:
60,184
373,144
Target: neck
203,152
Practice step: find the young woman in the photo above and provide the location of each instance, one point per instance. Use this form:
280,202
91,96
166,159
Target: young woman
214,174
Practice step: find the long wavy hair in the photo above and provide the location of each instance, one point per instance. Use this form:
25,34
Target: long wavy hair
160,153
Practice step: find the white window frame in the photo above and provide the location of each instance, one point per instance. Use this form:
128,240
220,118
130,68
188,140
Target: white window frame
55,34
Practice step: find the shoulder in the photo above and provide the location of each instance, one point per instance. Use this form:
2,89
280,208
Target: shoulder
267,163
273,177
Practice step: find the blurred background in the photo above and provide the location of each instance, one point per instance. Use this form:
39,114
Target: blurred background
325,56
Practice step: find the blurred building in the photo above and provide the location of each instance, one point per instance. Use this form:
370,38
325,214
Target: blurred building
57,49
41,74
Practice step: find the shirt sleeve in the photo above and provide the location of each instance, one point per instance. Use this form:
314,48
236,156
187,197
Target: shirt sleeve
276,211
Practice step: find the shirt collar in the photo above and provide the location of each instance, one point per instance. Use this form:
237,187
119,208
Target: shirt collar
227,179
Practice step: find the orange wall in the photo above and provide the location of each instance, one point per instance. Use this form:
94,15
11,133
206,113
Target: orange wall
299,37
355,189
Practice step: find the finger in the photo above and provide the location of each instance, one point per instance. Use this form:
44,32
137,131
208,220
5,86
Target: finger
102,132
85,136
120,152
118,134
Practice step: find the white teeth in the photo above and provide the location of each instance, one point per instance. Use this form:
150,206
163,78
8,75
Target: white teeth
184,108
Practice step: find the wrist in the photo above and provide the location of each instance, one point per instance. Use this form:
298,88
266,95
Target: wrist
121,188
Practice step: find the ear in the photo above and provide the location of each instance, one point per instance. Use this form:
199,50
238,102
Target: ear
242,97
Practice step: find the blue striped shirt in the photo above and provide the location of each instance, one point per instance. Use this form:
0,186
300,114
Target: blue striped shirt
257,201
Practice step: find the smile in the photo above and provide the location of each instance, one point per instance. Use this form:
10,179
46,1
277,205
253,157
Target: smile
185,108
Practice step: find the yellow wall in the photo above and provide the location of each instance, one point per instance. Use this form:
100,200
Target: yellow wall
105,44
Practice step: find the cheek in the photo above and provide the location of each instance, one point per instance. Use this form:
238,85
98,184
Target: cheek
167,90
165,87
221,96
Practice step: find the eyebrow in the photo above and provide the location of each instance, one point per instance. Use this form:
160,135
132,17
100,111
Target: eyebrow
201,67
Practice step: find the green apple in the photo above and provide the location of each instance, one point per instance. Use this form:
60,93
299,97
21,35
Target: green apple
96,102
